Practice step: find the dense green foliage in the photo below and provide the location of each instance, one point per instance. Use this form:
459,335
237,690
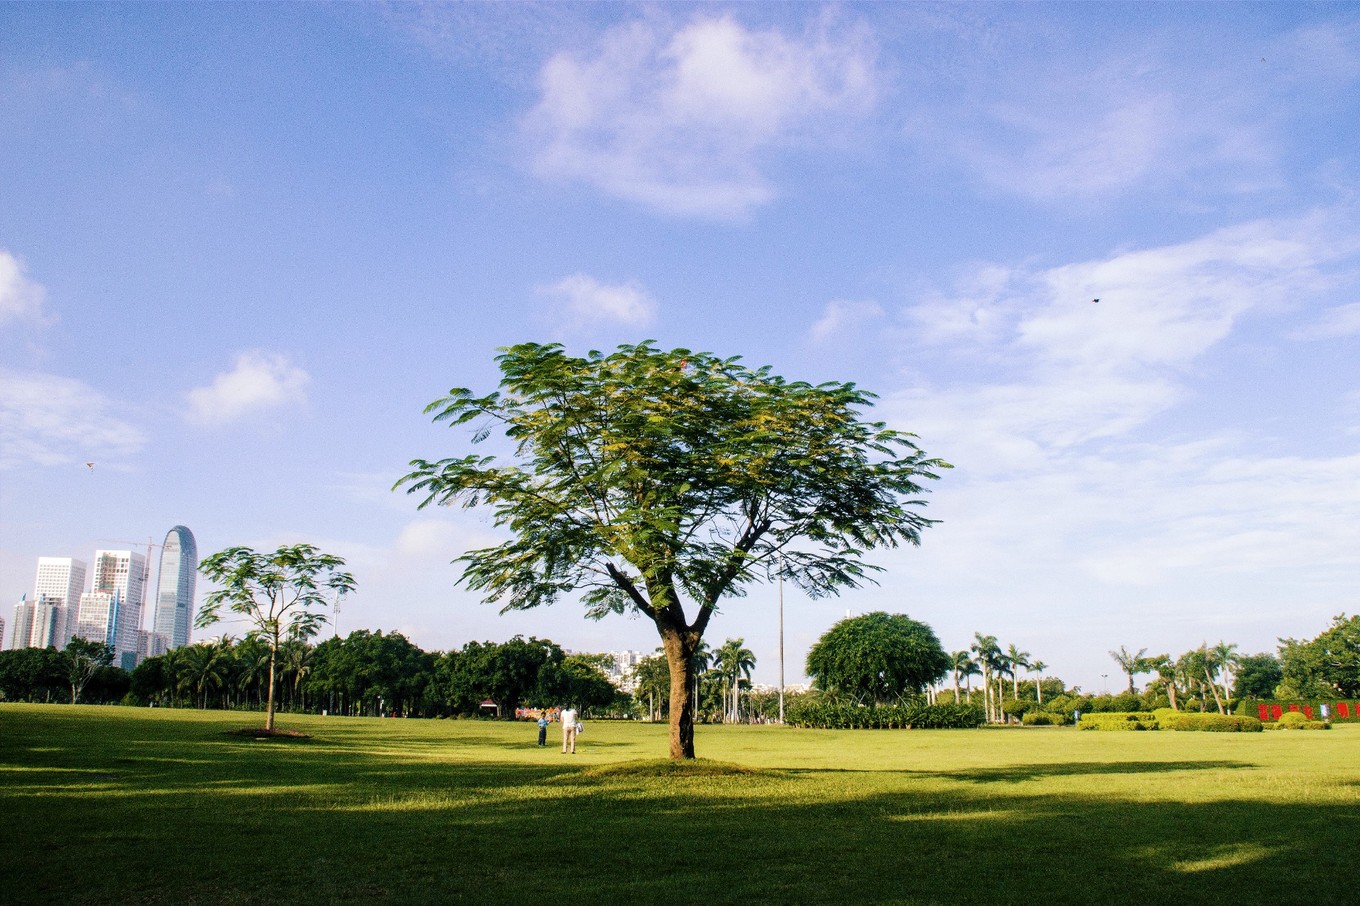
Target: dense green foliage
820,713
651,482
1323,667
1257,676
878,657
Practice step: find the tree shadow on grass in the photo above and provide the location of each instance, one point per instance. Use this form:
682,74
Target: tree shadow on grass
1020,772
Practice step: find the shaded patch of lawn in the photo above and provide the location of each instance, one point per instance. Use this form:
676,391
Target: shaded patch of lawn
121,806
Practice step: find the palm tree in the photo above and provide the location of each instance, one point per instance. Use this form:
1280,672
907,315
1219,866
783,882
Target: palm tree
1038,667
959,662
1166,675
699,662
1225,659
969,670
733,661
1016,659
987,651
1130,663
204,668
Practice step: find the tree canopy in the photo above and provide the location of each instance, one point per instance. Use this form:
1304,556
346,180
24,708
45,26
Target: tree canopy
665,482
878,657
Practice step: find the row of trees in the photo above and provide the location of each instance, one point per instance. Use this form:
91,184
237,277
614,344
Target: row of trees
1327,666
365,673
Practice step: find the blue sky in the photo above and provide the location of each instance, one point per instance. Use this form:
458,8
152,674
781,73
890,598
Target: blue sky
242,246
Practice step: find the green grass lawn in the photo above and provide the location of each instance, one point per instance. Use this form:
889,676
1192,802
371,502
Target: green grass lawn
122,805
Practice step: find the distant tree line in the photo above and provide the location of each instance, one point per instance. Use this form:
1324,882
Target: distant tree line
365,673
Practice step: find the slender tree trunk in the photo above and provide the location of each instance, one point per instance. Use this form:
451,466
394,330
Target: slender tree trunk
1039,689
269,708
956,688
1213,688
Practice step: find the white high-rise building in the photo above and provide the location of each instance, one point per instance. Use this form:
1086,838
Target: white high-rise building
23,624
175,588
121,574
60,581
49,624
98,616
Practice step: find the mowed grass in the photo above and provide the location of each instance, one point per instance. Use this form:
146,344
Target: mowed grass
121,805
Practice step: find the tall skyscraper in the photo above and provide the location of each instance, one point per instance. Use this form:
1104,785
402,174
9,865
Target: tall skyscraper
121,574
60,582
175,587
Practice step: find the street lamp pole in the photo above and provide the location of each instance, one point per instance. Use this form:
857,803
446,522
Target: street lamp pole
781,647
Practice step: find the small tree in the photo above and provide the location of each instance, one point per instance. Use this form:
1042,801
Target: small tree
664,483
279,594
877,657
84,659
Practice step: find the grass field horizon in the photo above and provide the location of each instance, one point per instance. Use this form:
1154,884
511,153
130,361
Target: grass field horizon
111,804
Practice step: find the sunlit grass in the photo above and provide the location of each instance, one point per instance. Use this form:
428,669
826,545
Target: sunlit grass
114,805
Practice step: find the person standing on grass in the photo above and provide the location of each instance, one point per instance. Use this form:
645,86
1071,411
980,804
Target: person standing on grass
542,729
568,718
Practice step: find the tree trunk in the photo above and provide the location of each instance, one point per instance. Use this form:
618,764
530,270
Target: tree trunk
1217,701
682,703
269,708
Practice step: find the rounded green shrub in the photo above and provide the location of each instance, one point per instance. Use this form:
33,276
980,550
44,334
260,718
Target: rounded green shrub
1291,720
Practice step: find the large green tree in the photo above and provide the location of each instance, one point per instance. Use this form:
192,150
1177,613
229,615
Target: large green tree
878,657
1328,665
1257,676
665,483
280,595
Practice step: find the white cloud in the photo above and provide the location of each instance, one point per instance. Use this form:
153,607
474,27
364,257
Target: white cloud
677,122
259,381
1084,370
581,302
842,316
48,420
20,298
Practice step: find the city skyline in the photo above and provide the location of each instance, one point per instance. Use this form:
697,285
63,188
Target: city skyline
1102,258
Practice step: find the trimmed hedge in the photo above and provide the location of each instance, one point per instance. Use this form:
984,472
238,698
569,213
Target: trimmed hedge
1118,720
1294,720
1208,723
824,715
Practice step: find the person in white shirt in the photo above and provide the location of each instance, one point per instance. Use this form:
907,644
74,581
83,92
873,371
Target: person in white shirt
568,717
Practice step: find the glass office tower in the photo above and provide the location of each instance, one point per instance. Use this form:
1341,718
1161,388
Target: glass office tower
175,590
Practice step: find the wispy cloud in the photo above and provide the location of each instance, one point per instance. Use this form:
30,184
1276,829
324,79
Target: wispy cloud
677,121
580,302
258,381
1339,321
843,316
21,299
47,420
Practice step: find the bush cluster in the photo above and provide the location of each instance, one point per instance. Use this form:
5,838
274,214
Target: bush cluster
825,715
1207,722
1296,720
1045,719
1118,720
